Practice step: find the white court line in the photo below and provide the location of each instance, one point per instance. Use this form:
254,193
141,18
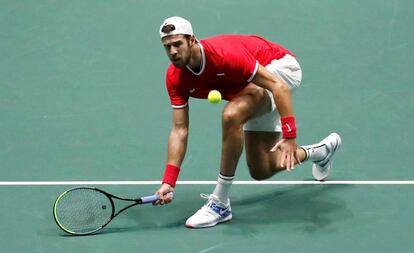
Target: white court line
50,183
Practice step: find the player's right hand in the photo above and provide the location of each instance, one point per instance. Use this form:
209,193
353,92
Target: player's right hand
162,193
287,154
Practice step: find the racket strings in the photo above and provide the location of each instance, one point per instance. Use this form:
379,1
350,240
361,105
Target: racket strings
83,210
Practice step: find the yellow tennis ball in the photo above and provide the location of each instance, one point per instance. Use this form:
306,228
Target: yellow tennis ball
214,96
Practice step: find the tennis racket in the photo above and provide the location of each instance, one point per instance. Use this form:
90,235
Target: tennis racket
86,210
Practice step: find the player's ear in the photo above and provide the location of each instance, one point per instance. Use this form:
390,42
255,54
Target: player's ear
193,40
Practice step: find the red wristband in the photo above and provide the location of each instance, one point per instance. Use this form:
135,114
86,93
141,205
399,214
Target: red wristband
288,127
171,174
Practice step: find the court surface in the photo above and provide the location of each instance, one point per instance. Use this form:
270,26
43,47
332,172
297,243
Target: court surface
82,98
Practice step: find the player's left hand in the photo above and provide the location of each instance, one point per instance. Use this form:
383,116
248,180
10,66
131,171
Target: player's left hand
287,154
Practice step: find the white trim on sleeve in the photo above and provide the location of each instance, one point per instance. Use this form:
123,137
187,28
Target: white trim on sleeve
254,72
179,106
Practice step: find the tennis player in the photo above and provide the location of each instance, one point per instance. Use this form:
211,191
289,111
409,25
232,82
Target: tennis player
257,78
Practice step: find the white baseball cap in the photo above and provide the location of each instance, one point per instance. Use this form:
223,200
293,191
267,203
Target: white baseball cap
179,26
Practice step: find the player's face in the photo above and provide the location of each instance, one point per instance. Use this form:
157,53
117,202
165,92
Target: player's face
178,49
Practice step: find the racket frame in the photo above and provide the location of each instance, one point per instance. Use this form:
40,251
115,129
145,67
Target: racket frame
111,198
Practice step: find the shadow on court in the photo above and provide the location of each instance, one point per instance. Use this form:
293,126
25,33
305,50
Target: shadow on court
306,207
143,219
135,225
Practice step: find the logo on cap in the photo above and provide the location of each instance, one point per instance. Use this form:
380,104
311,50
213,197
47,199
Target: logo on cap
176,25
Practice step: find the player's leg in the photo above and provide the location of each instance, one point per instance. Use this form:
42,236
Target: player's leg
263,163
261,133
251,102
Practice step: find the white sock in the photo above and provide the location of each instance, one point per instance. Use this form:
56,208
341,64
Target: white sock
223,187
315,152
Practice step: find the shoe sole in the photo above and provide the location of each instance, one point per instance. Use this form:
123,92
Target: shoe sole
320,173
227,219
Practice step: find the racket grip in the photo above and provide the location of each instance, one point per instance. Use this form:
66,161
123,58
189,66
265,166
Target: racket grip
153,198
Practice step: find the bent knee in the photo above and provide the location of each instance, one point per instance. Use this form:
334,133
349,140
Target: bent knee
231,116
259,176
263,172
260,173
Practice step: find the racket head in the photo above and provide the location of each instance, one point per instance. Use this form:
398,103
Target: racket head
83,210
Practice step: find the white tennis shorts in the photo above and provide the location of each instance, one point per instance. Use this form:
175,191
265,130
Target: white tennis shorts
287,69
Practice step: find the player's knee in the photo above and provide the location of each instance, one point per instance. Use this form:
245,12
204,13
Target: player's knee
261,172
259,175
230,117
258,171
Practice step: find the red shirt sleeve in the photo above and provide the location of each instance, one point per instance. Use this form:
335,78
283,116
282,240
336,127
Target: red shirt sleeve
177,98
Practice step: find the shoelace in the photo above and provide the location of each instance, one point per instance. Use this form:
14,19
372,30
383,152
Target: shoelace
204,196
212,205
206,207
208,198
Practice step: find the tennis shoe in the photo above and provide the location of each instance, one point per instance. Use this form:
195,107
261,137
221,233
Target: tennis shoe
321,169
210,214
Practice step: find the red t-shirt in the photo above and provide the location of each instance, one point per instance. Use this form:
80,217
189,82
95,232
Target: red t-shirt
229,63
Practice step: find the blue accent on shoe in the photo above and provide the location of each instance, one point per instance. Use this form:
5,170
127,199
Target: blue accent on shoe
223,212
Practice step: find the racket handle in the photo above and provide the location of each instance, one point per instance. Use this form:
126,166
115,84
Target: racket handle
153,198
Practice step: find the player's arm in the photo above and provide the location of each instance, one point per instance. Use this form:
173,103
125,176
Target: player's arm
279,89
177,142
244,64
177,146
283,101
